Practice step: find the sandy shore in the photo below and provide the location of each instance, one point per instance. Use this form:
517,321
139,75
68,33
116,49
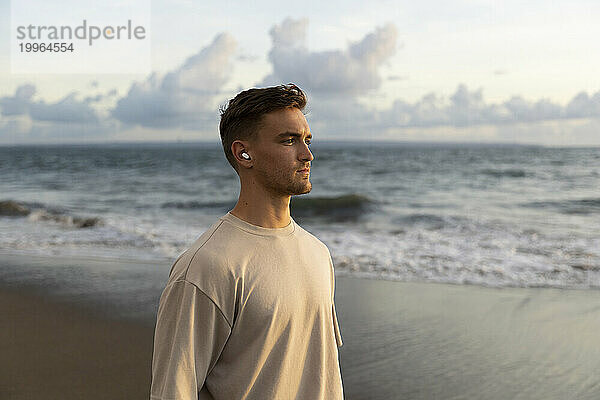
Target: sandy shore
58,351
401,341
439,341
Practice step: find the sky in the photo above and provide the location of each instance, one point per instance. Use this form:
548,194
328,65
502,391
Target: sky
472,71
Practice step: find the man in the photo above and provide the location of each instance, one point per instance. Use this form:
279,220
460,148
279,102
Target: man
248,311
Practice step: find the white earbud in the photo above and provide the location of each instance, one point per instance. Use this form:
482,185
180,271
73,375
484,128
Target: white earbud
246,156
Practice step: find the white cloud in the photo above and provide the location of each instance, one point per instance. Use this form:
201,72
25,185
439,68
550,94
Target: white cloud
354,70
184,97
340,82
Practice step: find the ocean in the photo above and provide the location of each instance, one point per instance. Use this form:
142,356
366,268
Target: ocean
489,215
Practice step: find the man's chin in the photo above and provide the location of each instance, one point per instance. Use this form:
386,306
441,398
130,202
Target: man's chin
303,190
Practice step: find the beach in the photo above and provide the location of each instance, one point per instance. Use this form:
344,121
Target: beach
54,350
402,340
440,341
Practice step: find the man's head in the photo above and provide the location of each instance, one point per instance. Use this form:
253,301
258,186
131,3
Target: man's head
265,135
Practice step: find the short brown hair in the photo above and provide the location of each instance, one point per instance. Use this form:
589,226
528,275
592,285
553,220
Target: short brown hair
241,118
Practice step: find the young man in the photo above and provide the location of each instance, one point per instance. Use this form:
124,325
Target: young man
248,311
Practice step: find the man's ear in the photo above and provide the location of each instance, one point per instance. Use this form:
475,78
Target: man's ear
240,151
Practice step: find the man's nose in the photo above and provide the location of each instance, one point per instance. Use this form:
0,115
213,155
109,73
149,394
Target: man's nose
306,154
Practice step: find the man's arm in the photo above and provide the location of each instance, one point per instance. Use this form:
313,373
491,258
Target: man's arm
336,326
190,334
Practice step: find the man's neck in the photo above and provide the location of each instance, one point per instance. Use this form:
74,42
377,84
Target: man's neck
265,215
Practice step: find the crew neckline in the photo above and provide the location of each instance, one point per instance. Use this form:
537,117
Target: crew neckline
259,230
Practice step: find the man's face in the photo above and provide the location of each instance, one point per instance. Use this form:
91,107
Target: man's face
281,150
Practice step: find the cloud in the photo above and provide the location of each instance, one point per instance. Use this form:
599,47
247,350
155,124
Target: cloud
340,82
25,120
184,97
66,110
583,105
565,132
19,103
397,77
354,70
100,97
247,58
24,129
94,99
468,108
464,116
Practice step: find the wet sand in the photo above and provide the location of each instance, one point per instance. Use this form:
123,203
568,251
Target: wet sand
401,341
54,350
439,341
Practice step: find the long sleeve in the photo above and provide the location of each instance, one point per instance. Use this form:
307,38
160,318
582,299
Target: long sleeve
190,334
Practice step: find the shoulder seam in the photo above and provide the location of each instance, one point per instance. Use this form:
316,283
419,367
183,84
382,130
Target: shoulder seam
208,297
191,283
199,247
175,263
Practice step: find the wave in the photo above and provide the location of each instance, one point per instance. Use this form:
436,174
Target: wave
39,212
576,206
500,173
341,208
429,221
11,208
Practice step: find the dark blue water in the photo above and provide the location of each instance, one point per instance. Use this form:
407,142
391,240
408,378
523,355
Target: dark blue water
485,214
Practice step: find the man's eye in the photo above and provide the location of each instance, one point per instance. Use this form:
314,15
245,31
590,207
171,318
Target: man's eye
293,139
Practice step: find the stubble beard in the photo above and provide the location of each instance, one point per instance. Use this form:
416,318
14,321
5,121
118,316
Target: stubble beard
282,184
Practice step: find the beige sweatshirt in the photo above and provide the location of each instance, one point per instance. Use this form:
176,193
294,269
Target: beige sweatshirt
248,313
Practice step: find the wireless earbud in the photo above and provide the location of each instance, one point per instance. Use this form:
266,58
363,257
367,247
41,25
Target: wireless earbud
246,156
